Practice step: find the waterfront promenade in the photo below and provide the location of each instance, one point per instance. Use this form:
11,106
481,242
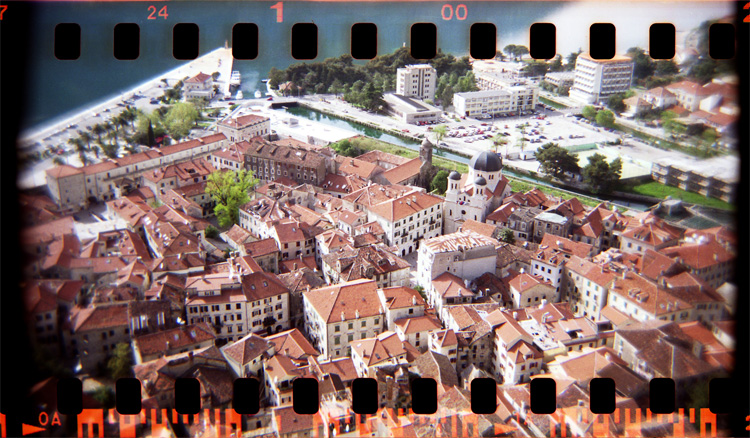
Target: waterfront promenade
57,134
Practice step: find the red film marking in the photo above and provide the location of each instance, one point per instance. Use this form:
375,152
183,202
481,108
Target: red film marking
3,8
279,11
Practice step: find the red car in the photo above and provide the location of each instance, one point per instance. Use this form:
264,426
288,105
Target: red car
270,98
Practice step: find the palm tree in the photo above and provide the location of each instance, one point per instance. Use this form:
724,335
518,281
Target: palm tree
113,137
499,140
96,150
98,130
131,114
122,121
87,137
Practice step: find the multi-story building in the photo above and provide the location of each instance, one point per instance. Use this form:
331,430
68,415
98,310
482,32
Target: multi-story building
408,219
529,290
715,178
549,223
241,301
516,358
418,80
112,177
337,315
514,99
370,262
385,349
642,299
517,218
245,127
400,302
706,259
466,254
175,341
597,79
649,232
177,175
270,161
93,332
199,86
586,287
556,331
247,356
294,239
550,258
560,78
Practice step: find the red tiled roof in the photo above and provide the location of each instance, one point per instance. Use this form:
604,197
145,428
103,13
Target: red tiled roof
399,297
243,121
63,170
174,339
399,208
199,78
345,301
699,255
99,317
448,285
292,343
246,349
403,172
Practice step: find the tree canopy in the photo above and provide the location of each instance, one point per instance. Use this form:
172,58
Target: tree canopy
601,176
230,189
589,112
119,365
180,118
605,118
346,148
555,160
440,182
507,236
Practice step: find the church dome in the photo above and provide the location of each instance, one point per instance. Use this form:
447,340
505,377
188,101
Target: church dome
454,176
486,162
480,181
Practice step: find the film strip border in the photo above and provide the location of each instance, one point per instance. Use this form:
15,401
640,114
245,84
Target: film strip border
130,419
364,36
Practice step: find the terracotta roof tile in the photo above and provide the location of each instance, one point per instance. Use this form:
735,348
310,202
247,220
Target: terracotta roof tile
345,301
292,343
177,338
246,349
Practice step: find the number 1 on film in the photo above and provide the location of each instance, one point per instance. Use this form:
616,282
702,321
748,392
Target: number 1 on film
279,11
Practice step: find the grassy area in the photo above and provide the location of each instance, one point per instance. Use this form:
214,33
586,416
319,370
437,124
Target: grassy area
658,190
371,144
695,152
551,103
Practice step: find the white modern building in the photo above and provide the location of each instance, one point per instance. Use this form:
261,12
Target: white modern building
418,80
513,99
597,79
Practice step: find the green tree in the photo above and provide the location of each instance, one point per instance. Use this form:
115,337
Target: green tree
615,102
150,139
510,49
440,132
86,137
522,139
230,190
665,68
507,236
98,130
211,232
643,65
346,148
440,182
556,64
275,77
180,118
605,118
555,160
536,68
600,176
446,97
589,112
215,75
121,362
105,396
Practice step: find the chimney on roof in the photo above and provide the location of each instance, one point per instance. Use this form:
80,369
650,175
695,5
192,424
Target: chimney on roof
522,270
413,300
515,316
342,315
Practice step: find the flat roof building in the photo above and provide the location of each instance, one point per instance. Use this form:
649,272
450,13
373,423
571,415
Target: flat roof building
597,79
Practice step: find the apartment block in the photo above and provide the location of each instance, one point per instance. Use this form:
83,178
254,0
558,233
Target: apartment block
418,80
597,79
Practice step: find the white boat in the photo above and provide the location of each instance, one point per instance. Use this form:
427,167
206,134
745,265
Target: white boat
239,95
258,94
236,78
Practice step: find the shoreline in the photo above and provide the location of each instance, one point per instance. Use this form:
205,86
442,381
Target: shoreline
28,139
